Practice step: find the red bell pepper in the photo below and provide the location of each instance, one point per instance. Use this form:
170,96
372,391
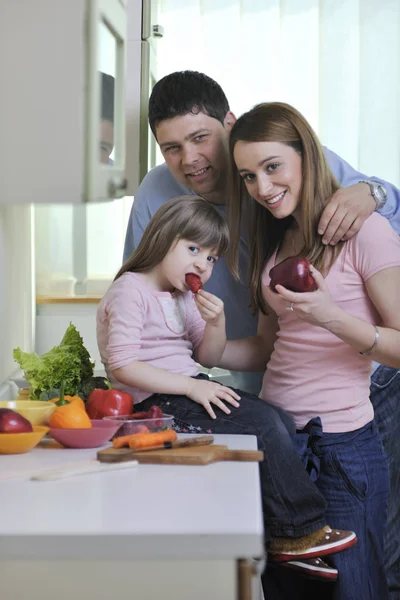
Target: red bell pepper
108,403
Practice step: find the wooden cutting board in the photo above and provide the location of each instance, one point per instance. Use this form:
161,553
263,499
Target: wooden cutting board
195,455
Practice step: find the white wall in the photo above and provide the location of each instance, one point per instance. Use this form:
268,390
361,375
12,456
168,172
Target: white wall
16,285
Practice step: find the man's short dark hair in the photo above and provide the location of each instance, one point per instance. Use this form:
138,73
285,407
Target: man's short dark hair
107,97
185,92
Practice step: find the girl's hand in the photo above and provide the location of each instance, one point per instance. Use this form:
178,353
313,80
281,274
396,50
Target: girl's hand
207,393
315,307
210,307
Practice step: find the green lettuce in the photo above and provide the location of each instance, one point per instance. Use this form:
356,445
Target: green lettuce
69,362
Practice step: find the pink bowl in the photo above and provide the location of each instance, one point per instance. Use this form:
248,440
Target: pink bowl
98,435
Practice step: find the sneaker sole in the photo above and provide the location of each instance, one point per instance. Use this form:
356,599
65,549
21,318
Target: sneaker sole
331,548
312,572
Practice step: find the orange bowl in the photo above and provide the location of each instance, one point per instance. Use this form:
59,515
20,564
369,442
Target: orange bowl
19,443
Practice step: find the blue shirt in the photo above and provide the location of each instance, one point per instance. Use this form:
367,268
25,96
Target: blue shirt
159,185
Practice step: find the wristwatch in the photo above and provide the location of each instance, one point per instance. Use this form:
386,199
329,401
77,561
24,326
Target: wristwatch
378,192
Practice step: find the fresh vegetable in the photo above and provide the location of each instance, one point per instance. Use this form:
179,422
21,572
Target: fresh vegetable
294,274
88,385
193,281
69,415
13,422
68,399
69,362
145,440
108,403
85,387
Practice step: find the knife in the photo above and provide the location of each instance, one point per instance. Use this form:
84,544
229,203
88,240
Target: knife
201,440
85,468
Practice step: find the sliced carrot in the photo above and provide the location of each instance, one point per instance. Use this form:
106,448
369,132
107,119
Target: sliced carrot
145,440
123,440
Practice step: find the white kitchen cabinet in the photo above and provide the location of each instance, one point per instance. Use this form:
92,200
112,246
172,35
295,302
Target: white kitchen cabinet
52,54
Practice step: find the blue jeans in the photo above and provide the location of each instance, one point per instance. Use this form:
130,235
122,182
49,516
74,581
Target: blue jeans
354,479
385,397
292,504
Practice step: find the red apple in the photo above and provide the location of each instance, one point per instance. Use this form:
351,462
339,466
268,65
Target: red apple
294,274
12,422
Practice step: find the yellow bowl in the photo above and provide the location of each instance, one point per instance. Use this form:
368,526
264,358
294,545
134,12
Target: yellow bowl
37,412
18,443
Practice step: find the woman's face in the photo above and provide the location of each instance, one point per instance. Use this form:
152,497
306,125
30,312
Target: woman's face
272,174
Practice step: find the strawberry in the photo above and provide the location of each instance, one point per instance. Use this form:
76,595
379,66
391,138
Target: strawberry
194,282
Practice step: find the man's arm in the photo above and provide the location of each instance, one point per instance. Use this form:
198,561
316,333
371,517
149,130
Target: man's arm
353,203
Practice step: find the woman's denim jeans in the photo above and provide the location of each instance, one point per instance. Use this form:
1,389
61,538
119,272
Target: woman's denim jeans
385,397
292,504
354,479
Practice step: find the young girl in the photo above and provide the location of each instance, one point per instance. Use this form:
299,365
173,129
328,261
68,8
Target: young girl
318,346
151,330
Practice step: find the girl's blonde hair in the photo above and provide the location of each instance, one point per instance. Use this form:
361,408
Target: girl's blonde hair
279,122
184,217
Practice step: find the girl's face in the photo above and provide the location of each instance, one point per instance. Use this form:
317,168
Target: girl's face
185,257
272,175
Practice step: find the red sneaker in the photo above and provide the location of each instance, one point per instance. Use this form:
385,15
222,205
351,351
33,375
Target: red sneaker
315,568
332,540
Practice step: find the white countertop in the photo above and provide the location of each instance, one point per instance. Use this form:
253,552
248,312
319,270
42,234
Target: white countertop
149,511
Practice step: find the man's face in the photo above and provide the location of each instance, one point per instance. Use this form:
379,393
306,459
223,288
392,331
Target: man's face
195,148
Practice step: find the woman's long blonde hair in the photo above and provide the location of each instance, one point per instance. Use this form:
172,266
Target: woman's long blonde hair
279,122
184,217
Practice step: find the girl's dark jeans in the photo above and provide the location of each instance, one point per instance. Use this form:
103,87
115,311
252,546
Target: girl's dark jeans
292,504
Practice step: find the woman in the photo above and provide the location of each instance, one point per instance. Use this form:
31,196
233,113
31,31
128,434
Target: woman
152,332
318,346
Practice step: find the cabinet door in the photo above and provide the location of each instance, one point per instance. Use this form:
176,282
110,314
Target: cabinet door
51,100
105,108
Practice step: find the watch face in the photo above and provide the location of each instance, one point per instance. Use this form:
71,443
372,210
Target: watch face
380,193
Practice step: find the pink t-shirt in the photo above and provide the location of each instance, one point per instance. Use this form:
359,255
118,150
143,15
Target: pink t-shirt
158,328
311,371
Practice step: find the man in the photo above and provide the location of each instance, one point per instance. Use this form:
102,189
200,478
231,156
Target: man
190,118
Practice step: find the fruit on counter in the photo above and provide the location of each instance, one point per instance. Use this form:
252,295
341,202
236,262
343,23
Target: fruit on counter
193,281
154,412
69,415
142,429
145,440
294,274
137,416
108,403
12,422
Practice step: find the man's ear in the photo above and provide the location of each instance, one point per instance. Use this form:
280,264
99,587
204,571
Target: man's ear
229,121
